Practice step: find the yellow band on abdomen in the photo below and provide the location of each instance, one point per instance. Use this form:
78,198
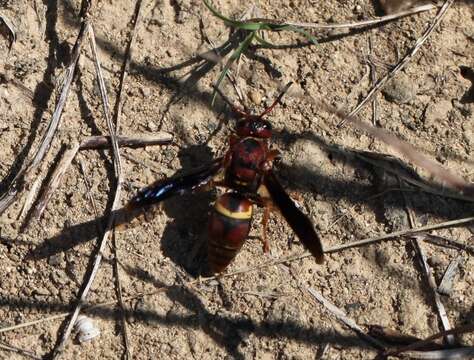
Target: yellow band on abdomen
244,215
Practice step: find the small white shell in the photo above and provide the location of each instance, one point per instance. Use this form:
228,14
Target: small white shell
86,329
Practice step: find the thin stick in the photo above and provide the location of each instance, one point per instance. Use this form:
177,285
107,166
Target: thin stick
403,62
18,182
341,316
118,113
428,272
396,234
375,21
17,350
103,142
116,201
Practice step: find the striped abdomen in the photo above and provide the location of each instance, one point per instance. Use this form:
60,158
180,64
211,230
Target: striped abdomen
229,226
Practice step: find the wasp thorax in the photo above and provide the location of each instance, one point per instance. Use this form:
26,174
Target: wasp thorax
254,127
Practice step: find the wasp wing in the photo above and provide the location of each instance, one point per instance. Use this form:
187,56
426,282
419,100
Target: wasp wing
164,189
299,222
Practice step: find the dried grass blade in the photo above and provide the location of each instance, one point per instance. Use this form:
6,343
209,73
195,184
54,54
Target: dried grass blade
118,113
397,234
447,242
363,23
365,156
339,314
116,201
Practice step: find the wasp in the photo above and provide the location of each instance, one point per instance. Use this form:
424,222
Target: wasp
246,172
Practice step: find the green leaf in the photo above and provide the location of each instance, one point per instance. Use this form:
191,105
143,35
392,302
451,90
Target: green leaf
234,56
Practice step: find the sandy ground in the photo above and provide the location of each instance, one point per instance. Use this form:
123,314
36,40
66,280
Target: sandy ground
265,313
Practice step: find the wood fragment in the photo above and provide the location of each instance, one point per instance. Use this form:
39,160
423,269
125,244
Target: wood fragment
103,142
340,315
447,282
402,63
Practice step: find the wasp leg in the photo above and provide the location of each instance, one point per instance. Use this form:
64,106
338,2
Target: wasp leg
266,214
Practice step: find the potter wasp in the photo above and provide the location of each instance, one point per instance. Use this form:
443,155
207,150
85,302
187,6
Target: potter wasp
246,172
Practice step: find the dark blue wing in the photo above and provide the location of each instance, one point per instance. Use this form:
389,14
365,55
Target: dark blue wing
164,189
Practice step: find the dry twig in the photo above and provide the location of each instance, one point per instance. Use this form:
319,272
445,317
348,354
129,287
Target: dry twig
118,112
26,172
402,63
118,174
428,272
17,350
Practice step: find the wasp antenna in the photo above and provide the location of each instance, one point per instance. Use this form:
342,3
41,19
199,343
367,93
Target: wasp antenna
234,108
277,100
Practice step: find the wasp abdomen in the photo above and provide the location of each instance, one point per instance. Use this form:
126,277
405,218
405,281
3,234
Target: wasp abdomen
229,225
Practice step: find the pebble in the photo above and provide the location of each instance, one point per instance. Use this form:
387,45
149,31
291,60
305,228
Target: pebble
255,96
400,90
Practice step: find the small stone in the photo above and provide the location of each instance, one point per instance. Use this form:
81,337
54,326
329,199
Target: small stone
151,125
41,291
146,92
255,97
401,90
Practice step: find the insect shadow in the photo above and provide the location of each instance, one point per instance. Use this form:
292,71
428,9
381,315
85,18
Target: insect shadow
185,237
